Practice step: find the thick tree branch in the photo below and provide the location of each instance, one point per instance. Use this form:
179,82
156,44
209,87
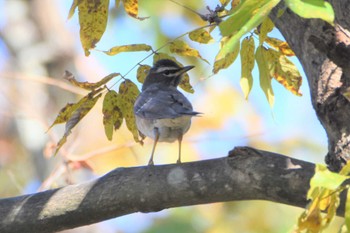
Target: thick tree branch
247,174
324,52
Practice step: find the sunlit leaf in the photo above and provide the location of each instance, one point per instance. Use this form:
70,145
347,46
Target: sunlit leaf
78,112
247,65
266,27
280,45
132,8
224,2
312,9
128,48
86,85
112,114
185,81
248,15
72,8
93,17
183,49
264,73
284,71
326,179
142,72
311,219
128,93
201,36
228,52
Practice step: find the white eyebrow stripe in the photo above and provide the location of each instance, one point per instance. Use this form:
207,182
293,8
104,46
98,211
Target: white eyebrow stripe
161,69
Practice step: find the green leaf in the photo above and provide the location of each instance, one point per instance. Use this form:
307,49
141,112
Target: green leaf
128,48
201,36
264,73
347,211
266,27
183,49
228,52
326,179
247,16
86,85
247,65
128,93
142,72
312,9
112,114
185,81
93,16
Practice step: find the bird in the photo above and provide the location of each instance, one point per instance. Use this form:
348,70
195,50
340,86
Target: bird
161,111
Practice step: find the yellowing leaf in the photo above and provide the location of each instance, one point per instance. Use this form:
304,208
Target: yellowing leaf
185,81
284,71
128,93
264,73
311,219
93,17
201,36
142,72
72,8
86,85
280,45
312,9
247,65
266,27
131,7
234,4
224,2
181,48
77,112
112,114
248,15
128,48
346,93
228,52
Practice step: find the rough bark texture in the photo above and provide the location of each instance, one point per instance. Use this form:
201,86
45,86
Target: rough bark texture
247,174
324,53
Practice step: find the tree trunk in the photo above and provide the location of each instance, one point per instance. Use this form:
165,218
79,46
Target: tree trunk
324,53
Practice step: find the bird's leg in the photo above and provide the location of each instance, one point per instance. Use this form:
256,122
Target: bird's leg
180,140
156,138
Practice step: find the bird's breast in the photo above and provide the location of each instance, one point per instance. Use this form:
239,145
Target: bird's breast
169,129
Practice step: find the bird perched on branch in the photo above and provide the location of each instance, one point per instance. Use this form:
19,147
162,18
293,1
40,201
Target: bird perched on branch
162,112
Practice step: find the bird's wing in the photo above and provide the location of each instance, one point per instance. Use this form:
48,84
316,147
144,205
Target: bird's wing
159,103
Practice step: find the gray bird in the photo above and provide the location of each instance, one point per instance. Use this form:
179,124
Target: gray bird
162,112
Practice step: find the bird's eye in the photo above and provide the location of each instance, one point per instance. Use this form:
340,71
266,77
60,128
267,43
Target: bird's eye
166,72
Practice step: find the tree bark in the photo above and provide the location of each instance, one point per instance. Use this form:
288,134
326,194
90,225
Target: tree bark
324,53
246,174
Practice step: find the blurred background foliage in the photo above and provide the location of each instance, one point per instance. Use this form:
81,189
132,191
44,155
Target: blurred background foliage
38,43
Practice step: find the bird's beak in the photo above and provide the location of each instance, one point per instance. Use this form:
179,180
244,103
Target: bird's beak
184,69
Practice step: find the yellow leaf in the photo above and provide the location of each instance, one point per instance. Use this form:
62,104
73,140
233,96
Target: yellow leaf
234,4
181,48
347,211
93,15
142,72
112,115
86,85
227,54
266,27
311,219
224,2
129,92
264,73
131,7
185,81
284,71
247,65
280,45
72,8
201,36
346,94
77,113
128,48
